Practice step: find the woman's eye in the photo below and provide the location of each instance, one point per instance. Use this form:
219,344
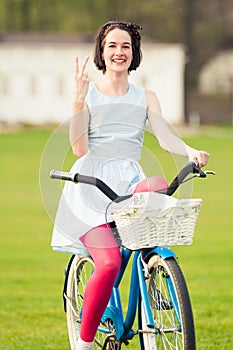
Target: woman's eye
124,46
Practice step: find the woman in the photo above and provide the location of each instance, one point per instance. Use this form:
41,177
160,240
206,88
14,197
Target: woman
106,133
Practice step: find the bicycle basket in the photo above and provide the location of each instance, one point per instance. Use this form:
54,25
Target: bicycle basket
150,219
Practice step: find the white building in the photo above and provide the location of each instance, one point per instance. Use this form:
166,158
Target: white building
36,77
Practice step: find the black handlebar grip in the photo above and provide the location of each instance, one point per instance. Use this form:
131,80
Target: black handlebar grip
197,170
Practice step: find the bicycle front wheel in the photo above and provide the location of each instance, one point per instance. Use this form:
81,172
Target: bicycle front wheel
78,276
171,308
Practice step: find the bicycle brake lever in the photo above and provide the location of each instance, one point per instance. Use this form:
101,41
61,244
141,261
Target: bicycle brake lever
211,172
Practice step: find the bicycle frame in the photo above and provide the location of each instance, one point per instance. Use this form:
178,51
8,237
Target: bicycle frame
138,288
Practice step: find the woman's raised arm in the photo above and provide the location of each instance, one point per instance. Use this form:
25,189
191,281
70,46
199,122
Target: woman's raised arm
80,119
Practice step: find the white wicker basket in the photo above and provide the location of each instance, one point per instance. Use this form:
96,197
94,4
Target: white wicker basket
151,219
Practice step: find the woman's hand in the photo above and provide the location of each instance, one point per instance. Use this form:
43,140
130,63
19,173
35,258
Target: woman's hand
81,83
200,157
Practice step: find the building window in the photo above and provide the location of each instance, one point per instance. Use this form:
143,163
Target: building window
60,86
4,85
32,86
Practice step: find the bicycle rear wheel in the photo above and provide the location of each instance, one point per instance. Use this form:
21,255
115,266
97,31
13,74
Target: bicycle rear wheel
171,308
78,275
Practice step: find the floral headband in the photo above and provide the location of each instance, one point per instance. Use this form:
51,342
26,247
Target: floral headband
132,28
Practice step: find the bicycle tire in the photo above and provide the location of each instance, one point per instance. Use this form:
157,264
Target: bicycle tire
170,332
78,275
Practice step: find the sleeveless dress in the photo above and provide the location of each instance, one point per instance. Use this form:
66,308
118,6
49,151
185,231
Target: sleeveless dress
115,138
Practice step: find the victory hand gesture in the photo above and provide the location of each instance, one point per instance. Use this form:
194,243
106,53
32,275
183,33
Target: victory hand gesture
81,83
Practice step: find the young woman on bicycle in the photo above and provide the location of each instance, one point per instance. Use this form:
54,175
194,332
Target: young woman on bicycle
106,133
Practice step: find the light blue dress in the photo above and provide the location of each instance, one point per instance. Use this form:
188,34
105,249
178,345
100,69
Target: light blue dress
116,131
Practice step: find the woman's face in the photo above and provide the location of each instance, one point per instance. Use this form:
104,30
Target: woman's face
117,50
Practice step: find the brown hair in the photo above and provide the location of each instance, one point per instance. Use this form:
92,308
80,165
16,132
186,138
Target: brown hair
132,29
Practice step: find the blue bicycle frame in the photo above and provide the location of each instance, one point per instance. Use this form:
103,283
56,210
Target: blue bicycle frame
113,311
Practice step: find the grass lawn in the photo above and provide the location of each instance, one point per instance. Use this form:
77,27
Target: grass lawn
31,274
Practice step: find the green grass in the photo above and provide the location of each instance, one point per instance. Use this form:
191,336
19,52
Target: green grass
31,274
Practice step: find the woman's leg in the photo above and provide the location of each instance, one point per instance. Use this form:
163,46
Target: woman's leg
153,183
107,258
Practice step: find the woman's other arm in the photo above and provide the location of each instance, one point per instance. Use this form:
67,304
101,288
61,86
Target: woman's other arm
166,138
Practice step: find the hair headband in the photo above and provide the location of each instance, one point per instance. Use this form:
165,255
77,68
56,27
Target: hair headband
132,27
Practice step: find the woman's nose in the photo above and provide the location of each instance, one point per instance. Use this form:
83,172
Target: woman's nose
118,50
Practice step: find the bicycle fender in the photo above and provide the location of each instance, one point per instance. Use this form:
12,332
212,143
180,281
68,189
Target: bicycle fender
164,252
67,270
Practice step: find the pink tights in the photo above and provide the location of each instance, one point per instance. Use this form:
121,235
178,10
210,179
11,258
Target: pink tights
107,259
105,252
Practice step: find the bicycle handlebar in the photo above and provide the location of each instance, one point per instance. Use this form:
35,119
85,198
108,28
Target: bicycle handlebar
78,178
190,167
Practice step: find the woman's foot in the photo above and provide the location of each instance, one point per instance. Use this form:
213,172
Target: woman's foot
83,345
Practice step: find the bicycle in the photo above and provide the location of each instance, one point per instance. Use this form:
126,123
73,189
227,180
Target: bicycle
158,292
